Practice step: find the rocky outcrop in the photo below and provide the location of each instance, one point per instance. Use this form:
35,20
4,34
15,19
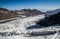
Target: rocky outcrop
7,14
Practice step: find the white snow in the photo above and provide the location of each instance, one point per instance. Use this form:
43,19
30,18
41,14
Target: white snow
20,25
12,37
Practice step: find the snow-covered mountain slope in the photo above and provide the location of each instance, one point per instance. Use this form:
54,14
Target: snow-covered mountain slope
17,29
53,12
20,24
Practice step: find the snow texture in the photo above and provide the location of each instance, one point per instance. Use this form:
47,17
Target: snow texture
17,29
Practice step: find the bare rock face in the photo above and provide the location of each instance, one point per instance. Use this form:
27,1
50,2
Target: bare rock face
6,14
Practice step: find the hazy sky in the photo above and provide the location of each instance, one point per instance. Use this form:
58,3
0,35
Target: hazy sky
33,4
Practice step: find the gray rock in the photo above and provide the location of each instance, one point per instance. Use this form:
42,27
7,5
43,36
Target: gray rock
44,33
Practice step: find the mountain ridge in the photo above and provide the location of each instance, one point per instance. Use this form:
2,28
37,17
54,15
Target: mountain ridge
6,14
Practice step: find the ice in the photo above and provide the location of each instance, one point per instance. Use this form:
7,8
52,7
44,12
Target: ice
16,29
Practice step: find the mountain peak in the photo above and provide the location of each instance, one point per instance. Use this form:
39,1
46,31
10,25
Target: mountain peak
3,9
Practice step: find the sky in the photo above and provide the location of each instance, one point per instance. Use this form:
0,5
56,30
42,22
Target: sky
32,4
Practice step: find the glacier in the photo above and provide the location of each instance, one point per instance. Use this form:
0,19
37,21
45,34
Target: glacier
17,29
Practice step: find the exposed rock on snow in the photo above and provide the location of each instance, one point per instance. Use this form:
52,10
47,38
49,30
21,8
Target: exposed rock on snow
17,29
20,25
42,33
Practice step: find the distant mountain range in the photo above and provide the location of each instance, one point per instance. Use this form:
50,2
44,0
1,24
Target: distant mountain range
29,12
53,12
6,14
